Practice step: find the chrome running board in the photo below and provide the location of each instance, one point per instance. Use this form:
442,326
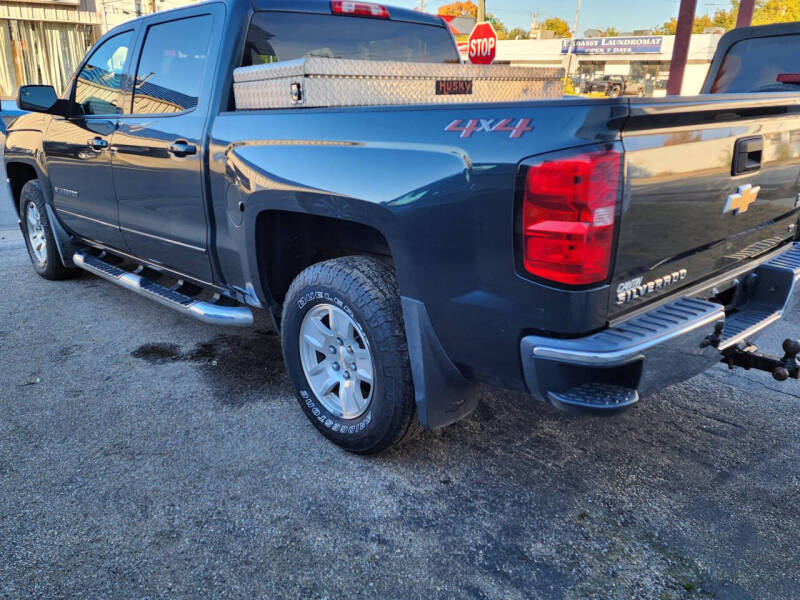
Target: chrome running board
216,314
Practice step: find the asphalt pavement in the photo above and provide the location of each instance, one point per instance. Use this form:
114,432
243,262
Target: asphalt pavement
143,454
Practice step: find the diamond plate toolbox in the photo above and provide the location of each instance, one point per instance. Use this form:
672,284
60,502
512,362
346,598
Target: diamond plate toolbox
318,82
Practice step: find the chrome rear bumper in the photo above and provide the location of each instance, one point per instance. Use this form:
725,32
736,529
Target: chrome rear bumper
666,345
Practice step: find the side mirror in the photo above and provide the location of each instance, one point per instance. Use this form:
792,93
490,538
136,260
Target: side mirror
36,98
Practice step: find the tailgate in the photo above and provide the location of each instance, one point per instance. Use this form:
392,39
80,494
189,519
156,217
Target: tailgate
685,214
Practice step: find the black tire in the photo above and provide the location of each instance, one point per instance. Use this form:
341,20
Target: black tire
366,290
50,266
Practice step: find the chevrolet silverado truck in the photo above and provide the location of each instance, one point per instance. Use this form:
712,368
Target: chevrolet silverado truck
587,252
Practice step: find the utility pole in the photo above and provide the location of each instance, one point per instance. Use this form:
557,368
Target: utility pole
680,51
745,15
481,11
574,37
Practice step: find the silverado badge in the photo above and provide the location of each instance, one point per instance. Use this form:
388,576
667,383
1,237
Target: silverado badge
636,288
740,201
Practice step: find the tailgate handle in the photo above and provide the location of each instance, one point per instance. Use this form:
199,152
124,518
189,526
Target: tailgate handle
747,155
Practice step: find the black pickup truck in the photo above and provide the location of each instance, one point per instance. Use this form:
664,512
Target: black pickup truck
585,251
615,85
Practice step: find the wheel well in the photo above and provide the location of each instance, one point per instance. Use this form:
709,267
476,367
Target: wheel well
289,242
18,175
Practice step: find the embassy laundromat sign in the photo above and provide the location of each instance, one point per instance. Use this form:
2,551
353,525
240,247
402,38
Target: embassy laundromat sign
614,45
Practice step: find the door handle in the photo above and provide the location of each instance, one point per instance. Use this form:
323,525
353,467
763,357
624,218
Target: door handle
747,155
182,148
97,143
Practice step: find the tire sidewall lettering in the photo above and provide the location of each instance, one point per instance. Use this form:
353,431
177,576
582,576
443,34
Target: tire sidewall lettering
319,297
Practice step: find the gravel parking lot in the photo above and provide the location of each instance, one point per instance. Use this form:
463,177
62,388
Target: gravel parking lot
143,454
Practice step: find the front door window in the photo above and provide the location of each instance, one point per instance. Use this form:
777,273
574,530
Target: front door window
97,88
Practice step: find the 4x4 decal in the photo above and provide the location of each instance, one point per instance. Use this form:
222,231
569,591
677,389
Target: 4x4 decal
469,126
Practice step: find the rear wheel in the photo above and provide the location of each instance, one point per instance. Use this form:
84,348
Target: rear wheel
39,237
345,351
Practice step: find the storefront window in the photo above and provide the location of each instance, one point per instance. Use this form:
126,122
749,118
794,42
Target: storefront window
40,52
589,71
653,74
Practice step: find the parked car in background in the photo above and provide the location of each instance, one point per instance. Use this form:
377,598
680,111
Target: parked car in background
615,85
9,111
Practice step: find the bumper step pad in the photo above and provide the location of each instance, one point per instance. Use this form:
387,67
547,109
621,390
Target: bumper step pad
777,280
603,396
208,312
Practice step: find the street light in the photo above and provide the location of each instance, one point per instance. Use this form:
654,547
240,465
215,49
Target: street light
574,38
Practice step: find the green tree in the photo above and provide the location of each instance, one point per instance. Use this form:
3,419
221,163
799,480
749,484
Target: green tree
668,28
610,32
558,26
726,18
766,12
701,24
776,11
460,9
518,33
499,27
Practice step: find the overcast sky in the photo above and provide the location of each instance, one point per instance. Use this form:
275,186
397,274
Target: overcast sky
625,15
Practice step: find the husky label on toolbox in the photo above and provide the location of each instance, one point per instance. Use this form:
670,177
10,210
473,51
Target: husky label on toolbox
453,87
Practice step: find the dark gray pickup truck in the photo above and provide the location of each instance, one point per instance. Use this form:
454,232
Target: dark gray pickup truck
587,252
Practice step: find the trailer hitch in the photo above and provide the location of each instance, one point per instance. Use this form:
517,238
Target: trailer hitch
748,357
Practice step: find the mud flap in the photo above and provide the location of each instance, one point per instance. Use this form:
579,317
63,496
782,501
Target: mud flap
64,244
443,395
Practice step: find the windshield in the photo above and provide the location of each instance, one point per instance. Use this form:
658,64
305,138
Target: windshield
279,36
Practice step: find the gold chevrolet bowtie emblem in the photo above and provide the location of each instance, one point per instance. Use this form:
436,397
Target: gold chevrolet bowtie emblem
740,201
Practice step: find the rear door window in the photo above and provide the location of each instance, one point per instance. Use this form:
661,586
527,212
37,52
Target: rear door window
172,66
754,65
279,36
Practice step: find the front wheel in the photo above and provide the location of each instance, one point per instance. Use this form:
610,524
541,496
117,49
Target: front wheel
345,350
39,237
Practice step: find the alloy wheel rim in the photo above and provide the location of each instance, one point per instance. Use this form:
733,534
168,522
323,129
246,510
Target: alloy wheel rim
337,361
36,236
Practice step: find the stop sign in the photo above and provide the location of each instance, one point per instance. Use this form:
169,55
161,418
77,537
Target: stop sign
482,44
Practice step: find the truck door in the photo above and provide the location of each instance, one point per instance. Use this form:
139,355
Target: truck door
77,147
157,158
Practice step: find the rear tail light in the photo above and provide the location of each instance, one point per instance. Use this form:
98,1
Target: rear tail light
568,215
359,9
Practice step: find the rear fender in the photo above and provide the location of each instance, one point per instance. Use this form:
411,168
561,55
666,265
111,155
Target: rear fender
360,182
357,182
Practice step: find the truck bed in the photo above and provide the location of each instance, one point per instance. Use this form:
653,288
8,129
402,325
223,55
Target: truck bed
435,182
